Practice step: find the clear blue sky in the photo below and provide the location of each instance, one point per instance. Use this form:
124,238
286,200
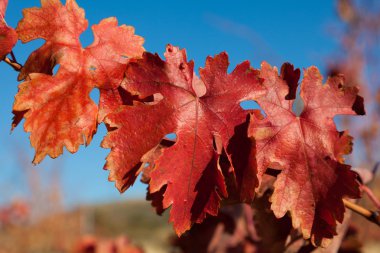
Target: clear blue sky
275,31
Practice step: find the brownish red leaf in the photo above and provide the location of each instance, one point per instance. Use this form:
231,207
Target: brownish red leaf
307,148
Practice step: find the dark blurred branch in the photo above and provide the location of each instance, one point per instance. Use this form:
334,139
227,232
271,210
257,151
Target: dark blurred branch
375,168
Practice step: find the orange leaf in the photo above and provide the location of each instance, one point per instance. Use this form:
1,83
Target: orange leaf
58,109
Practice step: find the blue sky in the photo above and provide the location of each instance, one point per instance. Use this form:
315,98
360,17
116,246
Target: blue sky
294,31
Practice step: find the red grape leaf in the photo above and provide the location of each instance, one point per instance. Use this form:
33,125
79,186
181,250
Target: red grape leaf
8,36
201,112
111,99
244,169
307,148
58,109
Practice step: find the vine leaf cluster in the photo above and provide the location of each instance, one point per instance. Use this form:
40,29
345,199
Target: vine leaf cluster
221,152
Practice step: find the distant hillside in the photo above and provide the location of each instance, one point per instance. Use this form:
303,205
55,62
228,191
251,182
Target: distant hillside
136,219
59,232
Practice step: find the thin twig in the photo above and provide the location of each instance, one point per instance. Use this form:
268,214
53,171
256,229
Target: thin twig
13,56
372,216
15,65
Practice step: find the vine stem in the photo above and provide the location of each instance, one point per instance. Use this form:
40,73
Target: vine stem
372,216
14,64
